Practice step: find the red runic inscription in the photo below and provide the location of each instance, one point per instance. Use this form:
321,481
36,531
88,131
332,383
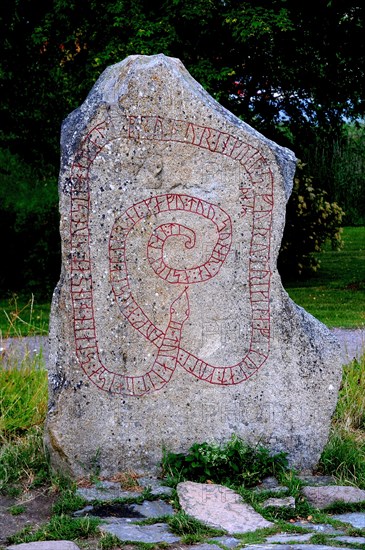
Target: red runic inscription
256,202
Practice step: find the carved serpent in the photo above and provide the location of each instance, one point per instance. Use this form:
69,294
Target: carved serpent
167,360
258,204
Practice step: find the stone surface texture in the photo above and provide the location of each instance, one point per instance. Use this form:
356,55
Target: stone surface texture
321,497
289,537
293,547
46,545
286,502
219,507
158,532
356,519
153,509
170,324
105,491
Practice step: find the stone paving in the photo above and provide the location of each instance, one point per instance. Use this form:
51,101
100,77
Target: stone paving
130,526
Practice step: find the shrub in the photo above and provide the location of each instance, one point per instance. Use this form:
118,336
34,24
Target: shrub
234,463
311,221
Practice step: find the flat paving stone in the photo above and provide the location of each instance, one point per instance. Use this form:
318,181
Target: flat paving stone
287,537
86,511
127,531
105,490
153,509
293,547
324,496
349,540
285,502
157,488
319,528
219,507
206,546
46,545
317,480
230,542
278,489
269,483
356,519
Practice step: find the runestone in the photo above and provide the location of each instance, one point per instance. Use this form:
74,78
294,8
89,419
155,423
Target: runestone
170,324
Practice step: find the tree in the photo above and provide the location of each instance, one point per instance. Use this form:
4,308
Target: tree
291,71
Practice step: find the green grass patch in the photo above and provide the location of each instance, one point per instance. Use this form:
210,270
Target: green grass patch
336,293
184,525
344,454
23,407
23,395
60,528
23,317
23,463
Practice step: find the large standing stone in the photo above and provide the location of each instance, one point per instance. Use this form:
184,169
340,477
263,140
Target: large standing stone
169,324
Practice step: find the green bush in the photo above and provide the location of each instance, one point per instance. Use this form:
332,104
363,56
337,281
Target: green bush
234,463
311,221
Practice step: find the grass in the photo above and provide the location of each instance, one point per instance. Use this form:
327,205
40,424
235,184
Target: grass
21,317
344,455
336,293
23,395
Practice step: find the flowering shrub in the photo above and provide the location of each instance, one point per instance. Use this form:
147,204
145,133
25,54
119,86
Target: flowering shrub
311,221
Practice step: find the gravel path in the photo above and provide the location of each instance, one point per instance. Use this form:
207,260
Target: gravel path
352,344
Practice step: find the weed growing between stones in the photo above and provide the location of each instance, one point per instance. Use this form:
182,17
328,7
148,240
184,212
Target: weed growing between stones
233,463
108,542
184,525
68,501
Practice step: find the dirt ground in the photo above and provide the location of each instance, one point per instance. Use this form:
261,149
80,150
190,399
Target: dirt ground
37,510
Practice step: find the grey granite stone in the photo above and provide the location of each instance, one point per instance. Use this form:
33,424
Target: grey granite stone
285,502
293,547
153,509
271,484
321,497
230,542
126,531
45,545
289,537
170,323
105,490
319,527
86,511
219,507
349,540
317,480
156,486
356,519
